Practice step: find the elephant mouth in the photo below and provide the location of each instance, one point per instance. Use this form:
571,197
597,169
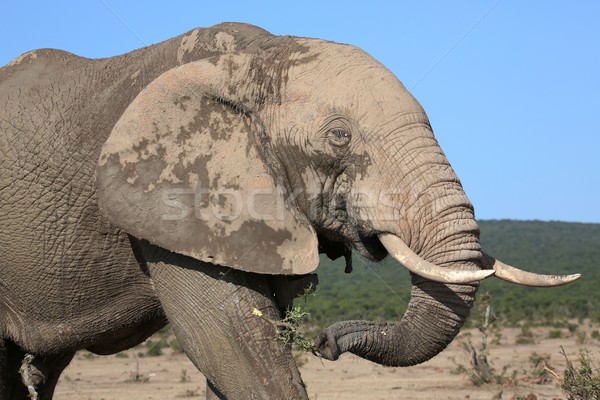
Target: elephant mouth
367,244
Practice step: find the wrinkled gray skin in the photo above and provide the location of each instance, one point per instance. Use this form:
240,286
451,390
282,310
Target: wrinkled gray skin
72,277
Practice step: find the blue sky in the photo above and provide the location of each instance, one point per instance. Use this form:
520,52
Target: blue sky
512,88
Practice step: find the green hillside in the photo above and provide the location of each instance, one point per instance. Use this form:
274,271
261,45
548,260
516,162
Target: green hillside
382,290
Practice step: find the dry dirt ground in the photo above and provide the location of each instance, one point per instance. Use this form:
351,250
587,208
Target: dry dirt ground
172,376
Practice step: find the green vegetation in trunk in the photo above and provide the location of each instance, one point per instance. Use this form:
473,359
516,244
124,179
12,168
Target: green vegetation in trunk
289,327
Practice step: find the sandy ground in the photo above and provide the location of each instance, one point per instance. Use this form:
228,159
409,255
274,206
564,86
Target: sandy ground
172,376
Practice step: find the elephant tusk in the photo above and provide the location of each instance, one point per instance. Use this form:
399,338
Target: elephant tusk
401,252
515,275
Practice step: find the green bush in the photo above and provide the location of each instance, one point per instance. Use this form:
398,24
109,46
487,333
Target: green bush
555,334
155,347
581,383
526,336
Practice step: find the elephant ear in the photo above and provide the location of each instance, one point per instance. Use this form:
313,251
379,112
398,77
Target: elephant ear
184,169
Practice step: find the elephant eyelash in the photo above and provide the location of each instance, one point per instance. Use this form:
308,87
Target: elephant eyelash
237,107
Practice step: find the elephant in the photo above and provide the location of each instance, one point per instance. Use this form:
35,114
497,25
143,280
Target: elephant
197,181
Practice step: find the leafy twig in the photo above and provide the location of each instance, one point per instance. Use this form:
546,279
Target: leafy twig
288,328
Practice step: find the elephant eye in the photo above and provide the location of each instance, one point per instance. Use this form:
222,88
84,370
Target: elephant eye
339,137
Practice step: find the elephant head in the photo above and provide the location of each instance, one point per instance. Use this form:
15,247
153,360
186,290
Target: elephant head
261,160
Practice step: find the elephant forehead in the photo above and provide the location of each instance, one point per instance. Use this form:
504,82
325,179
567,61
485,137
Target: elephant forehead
345,77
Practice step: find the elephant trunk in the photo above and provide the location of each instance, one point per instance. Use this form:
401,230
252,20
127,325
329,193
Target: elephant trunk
434,316
437,223
415,339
